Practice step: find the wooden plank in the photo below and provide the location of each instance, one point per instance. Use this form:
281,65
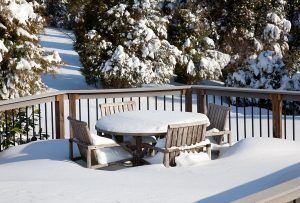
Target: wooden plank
188,100
10,106
72,109
201,101
59,117
284,192
128,94
277,115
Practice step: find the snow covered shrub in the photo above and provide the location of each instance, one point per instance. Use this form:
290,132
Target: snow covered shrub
189,30
22,60
127,45
56,11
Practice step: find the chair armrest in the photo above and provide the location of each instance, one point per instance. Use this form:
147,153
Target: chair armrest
175,149
183,148
220,133
146,145
91,147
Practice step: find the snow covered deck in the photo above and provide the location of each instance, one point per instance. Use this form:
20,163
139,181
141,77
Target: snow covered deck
41,171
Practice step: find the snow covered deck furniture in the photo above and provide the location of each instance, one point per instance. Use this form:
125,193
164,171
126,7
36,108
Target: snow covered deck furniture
141,124
118,107
112,108
96,150
216,130
183,137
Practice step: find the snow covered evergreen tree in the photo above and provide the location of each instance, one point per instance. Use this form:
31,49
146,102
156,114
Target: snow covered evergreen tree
194,34
22,60
127,45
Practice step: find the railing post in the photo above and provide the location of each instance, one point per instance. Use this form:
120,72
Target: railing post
201,101
277,115
59,116
72,108
188,100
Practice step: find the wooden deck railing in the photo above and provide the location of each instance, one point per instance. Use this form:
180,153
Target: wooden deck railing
49,110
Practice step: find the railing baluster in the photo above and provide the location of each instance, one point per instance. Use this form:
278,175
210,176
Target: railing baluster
97,109
252,116
139,103
245,125
33,122
21,138
164,102
52,121
40,122
260,127
181,102
237,118
293,120
27,125
229,104
79,108
284,107
268,117
46,122
147,103
13,125
172,102
88,112
6,130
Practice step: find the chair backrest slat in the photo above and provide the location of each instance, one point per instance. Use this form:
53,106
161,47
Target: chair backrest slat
113,108
183,135
81,133
217,116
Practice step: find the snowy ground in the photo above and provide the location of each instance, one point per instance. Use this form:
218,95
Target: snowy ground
68,76
41,172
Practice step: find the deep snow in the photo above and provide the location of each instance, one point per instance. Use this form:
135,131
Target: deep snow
40,171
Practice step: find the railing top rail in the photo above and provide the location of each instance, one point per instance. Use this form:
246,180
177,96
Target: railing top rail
226,91
246,90
31,98
131,90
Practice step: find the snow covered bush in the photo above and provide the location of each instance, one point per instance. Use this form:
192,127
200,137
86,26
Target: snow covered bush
127,45
22,60
189,30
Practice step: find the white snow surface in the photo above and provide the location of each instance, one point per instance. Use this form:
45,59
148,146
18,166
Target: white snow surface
69,76
147,122
41,172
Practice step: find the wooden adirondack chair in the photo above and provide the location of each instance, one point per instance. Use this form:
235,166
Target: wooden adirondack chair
217,116
182,137
87,150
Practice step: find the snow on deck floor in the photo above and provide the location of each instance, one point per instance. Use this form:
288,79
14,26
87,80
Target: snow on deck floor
69,76
41,171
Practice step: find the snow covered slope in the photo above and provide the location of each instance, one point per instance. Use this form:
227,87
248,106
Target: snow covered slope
41,172
69,76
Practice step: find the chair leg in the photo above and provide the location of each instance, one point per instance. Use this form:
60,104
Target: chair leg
88,159
167,160
229,139
208,149
71,149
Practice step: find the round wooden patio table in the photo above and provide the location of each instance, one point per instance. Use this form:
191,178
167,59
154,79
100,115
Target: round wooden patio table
145,123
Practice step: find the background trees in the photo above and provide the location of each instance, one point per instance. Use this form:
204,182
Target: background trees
22,60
